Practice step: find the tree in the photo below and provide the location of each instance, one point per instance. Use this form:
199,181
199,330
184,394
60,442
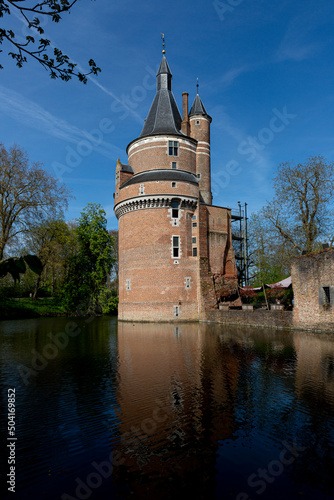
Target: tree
270,254
28,194
113,278
18,265
301,211
58,64
88,270
50,240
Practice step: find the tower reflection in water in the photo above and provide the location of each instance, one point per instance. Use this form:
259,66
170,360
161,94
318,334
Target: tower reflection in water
175,397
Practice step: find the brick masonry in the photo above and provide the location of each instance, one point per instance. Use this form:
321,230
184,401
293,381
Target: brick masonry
157,283
313,285
256,318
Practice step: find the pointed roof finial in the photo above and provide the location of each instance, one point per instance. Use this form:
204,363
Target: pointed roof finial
163,43
197,85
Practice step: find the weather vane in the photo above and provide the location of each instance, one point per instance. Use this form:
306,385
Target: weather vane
197,85
163,43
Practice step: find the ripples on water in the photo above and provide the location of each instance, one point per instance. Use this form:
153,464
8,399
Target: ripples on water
190,410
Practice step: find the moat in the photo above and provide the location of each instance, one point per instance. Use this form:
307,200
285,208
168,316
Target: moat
108,410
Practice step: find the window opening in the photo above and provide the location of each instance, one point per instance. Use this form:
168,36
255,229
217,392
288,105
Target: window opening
327,294
174,164
176,246
175,209
173,148
194,252
128,284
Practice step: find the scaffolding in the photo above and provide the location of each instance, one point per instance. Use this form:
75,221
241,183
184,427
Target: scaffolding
240,242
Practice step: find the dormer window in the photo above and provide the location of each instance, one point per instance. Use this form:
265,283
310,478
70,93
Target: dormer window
173,148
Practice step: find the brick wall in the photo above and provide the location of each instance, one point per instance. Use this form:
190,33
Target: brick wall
310,275
200,130
157,284
257,318
152,153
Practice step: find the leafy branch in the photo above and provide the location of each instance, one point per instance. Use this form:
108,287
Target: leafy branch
57,63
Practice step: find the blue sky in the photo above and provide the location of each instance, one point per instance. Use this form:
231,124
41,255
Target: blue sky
266,78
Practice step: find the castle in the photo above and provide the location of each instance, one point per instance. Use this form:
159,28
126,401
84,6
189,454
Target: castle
174,245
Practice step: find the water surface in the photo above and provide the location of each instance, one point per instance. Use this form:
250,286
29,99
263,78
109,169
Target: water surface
108,410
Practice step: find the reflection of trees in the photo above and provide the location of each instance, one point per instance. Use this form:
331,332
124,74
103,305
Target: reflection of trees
66,413
191,408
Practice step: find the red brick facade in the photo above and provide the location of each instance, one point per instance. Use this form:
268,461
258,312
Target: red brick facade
171,239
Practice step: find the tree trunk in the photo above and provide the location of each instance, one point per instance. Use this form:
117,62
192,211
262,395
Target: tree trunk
36,287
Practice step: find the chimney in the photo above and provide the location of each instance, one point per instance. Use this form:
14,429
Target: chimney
185,121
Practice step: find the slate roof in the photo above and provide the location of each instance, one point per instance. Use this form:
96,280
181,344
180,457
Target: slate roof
198,107
164,116
127,168
162,175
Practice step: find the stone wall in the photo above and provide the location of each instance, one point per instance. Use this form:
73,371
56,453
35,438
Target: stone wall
313,286
257,318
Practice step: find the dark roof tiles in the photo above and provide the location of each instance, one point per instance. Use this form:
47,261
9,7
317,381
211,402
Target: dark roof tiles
198,107
164,116
162,175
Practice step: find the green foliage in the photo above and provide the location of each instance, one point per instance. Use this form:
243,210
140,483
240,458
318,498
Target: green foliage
11,308
16,266
108,301
88,270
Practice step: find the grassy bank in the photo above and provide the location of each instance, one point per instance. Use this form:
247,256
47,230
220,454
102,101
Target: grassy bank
29,308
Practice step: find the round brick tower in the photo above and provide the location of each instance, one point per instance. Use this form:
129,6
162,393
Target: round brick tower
199,122
171,239
156,199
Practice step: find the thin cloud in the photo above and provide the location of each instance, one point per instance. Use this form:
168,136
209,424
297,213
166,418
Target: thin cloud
89,77
230,76
27,112
296,44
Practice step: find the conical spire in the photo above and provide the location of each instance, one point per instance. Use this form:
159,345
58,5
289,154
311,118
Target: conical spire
198,107
164,116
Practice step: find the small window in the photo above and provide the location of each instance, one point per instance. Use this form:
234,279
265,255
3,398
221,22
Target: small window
141,189
194,240
173,184
194,217
327,294
188,280
194,224
128,284
174,164
194,252
198,122
176,311
173,148
198,176
176,246
175,209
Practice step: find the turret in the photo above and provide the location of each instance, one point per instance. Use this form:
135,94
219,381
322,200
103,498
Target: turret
199,124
